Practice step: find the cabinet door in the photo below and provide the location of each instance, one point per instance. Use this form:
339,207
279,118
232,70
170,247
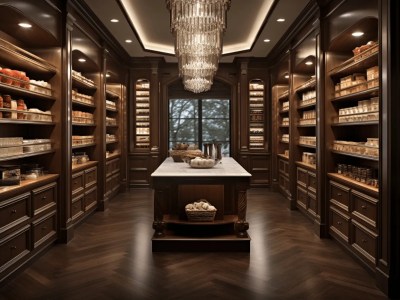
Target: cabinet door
90,177
14,247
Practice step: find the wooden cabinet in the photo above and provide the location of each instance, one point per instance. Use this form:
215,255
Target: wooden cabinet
352,112
142,113
353,215
28,221
84,194
306,197
256,115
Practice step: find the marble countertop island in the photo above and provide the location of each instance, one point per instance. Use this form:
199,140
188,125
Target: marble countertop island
227,167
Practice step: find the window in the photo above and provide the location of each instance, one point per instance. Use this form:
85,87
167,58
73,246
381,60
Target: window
199,121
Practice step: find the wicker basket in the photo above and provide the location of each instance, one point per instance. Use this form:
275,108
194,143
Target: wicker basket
200,215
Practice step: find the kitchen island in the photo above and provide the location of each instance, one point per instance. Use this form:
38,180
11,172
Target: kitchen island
224,186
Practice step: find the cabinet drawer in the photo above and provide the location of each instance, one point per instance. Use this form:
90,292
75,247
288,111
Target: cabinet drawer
312,204
364,242
302,177
283,166
339,224
312,182
14,247
364,208
115,182
44,229
44,198
109,167
78,183
77,208
14,211
109,184
90,199
302,197
339,195
90,177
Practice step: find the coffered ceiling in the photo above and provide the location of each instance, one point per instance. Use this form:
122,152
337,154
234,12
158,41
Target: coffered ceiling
145,23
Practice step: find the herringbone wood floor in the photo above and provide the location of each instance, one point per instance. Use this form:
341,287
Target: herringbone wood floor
110,258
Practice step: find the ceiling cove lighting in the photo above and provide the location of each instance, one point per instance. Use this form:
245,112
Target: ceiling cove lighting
24,25
198,27
357,33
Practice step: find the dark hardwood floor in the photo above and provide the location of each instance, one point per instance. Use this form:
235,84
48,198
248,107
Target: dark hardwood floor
110,258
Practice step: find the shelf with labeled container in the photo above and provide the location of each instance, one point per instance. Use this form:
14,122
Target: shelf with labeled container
256,114
30,135
142,113
353,117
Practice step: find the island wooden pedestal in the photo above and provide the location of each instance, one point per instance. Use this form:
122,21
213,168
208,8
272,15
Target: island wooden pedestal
224,186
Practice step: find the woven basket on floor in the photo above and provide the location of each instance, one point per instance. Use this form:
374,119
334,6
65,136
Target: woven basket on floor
201,215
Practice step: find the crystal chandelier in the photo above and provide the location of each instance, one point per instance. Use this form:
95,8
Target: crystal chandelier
198,26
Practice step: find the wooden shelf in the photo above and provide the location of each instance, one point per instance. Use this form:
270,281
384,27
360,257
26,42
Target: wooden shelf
354,183
76,82
307,166
28,184
111,109
22,92
306,146
307,125
308,85
84,166
30,154
112,156
112,94
83,146
355,64
301,107
283,156
362,123
175,220
358,96
84,124
112,142
356,155
12,55
26,122
91,105
283,142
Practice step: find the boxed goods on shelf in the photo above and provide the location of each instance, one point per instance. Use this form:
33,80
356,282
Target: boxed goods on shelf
285,138
365,50
285,105
78,75
82,139
82,98
363,175
82,117
369,148
285,121
308,140
10,175
79,158
373,77
36,145
309,158
110,104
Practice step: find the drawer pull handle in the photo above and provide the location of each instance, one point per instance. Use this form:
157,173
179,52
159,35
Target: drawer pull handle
339,223
14,211
13,247
364,241
339,194
44,227
363,206
44,198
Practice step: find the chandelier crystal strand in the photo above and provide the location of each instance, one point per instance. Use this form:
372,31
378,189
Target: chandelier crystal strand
198,26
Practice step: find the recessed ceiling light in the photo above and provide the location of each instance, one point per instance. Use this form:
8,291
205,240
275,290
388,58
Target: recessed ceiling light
309,63
280,20
25,25
357,33
108,75
287,76
114,20
128,41
82,59
267,40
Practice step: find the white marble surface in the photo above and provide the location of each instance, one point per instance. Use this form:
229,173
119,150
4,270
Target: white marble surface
228,167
